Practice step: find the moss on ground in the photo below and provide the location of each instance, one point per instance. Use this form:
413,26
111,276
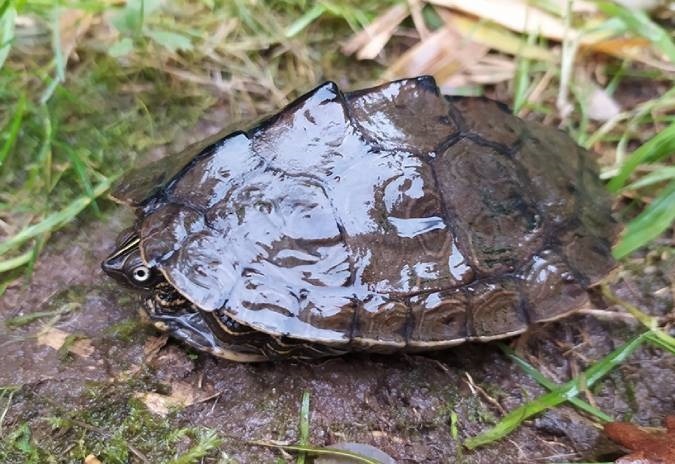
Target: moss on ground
109,422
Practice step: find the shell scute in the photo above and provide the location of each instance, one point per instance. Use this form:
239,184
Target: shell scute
227,166
496,309
380,324
494,214
408,115
304,137
439,319
491,121
277,226
550,286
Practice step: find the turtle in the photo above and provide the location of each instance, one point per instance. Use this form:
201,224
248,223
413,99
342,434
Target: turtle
392,218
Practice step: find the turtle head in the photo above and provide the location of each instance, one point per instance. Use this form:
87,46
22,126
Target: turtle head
126,265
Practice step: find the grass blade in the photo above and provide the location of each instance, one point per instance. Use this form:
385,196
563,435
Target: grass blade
60,61
17,261
501,39
305,20
564,393
654,339
10,395
639,23
356,457
80,170
20,321
13,131
207,442
304,425
645,319
649,224
454,430
522,80
539,377
246,16
7,21
660,146
663,174
55,220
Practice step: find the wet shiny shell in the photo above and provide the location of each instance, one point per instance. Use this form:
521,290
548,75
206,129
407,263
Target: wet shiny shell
387,218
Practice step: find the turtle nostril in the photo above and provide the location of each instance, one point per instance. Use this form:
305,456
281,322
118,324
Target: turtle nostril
111,266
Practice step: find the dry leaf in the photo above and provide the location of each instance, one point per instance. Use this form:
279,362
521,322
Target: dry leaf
91,459
443,54
601,106
628,48
370,41
153,345
577,6
73,24
494,36
418,18
515,15
491,69
56,338
648,447
182,395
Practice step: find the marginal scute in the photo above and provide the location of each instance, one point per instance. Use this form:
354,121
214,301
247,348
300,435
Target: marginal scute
496,309
381,322
597,220
550,287
551,166
439,318
590,256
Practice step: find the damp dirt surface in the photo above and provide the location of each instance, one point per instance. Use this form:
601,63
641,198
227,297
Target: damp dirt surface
90,351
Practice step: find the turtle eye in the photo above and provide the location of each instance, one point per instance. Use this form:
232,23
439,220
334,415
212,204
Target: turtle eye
141,273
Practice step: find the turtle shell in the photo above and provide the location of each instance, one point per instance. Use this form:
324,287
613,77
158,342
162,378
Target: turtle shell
388,218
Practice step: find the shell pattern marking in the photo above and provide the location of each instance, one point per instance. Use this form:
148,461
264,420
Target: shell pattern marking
391,217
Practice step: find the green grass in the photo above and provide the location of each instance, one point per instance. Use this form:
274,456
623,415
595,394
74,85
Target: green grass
539,377
303,428
558,395
207,442
569,391
659,214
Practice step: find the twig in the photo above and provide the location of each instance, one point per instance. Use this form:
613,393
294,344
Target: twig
4,412
475,388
